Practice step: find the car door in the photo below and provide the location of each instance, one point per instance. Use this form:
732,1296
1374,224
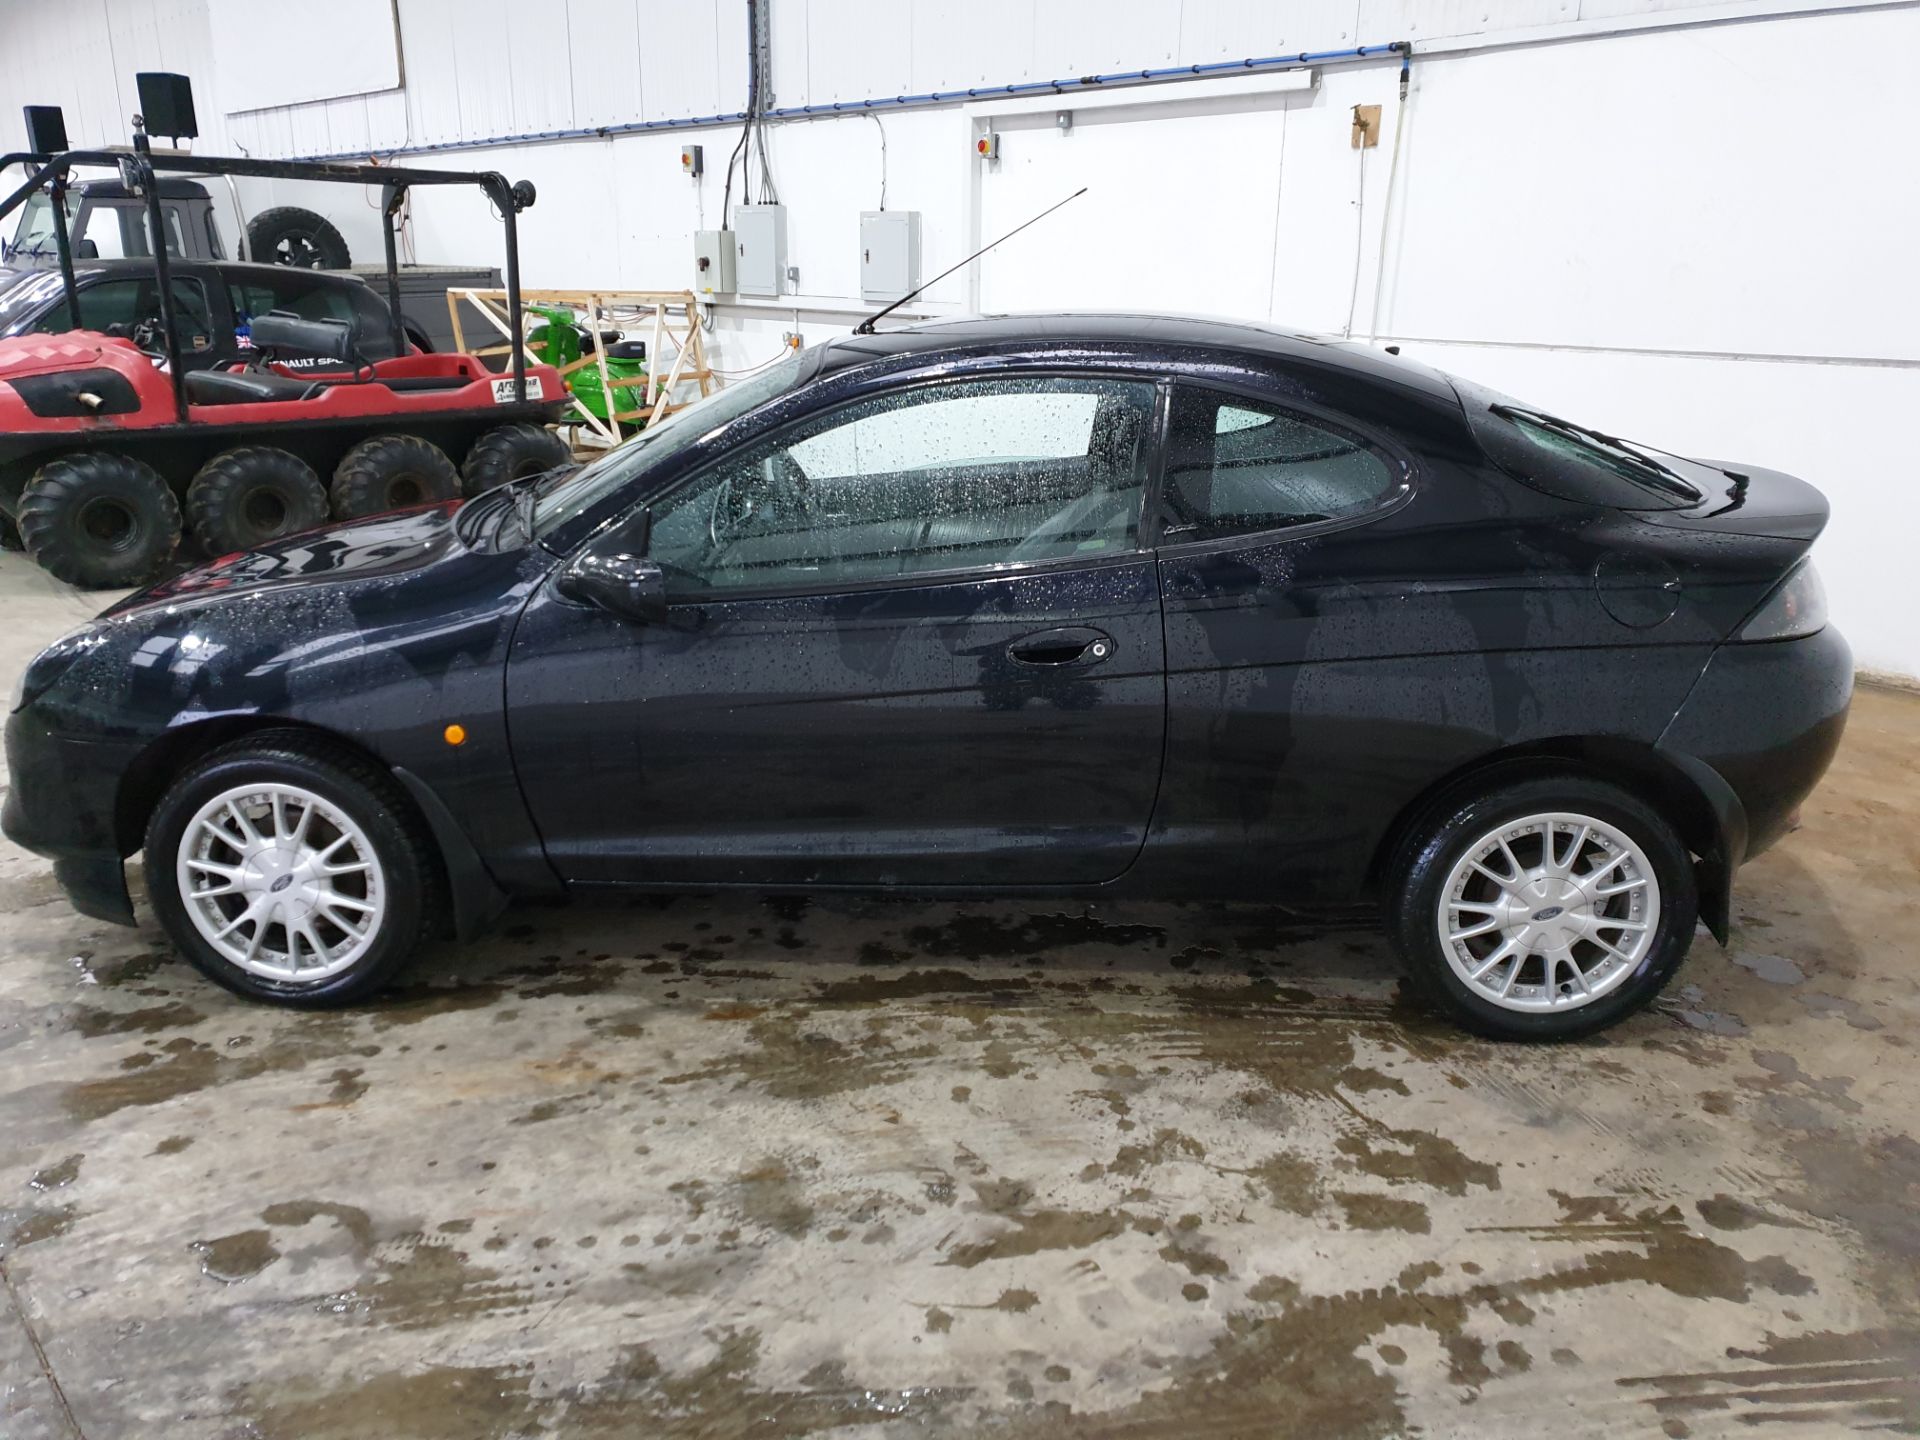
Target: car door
915,641
1287,603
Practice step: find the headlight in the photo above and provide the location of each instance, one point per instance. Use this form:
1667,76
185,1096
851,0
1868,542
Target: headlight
1798,607
53,662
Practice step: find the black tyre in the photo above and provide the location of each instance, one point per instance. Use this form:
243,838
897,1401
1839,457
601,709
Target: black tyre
99,521
288,867
1543,909
510,453
288,235
391,472
244,497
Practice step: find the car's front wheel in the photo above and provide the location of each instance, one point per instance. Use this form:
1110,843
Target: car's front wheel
290,868
1544,909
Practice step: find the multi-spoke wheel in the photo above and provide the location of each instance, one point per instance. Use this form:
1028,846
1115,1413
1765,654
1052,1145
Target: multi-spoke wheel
289,867
1545,909
283,884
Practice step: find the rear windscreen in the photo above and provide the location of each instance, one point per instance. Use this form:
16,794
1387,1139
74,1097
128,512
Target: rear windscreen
1575,462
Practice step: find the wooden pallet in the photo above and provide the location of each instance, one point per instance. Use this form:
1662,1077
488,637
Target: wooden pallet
675,323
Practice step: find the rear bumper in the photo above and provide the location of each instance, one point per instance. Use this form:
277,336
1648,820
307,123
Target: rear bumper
60,804
1758,731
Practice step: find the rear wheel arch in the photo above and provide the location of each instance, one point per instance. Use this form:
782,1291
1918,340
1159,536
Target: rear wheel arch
1660,780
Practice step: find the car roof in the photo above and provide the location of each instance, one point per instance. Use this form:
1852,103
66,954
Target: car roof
172,187
1137,333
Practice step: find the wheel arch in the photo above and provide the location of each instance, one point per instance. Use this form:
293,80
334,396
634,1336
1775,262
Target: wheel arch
1696,804
476,897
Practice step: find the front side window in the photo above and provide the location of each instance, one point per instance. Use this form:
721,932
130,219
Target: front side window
1236,467
943,477
121,306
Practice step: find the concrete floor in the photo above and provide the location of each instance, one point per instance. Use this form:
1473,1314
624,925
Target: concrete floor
740,1167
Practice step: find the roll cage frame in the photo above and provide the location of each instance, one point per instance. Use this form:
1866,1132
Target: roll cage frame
140,168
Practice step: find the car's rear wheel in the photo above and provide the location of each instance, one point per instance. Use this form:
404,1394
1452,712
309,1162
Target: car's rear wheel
392,472
250,495
1544,909
287,867
99,520
512,452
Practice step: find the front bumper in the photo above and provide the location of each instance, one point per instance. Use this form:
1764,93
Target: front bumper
1756,734
60,803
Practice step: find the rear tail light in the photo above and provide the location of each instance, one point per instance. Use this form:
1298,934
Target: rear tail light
1798,607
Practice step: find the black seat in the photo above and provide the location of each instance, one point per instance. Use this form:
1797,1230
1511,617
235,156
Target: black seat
225,387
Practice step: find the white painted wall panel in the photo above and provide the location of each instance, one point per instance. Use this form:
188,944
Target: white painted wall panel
352,51
1382,21
857,49
433,76
960,43
1205,243
540,66
604,39
483,68
1090,37
1661,192
680,60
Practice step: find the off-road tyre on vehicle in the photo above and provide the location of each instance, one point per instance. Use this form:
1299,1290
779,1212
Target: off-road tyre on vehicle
392,472
244,497
396,879
512,452
100,521
1634,922
289,235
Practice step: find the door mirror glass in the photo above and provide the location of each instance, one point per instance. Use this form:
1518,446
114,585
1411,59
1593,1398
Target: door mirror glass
620,583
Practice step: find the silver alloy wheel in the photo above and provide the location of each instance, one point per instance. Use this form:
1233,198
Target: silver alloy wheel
281,882
1548,913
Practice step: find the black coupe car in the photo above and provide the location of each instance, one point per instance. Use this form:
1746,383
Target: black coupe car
1074,605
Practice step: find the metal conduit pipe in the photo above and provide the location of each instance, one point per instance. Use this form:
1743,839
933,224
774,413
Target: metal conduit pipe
1067,85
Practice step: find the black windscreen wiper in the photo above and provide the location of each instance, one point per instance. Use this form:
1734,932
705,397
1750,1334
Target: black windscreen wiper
1654,473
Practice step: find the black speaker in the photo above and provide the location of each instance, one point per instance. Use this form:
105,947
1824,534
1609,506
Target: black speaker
166,104
46,130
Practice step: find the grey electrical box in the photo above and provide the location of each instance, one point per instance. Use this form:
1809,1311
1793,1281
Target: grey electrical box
713,262
760,249
889,254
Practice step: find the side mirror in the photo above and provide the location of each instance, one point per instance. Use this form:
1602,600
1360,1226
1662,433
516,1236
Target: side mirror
621,584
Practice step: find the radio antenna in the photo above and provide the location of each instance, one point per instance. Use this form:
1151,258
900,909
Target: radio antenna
865,327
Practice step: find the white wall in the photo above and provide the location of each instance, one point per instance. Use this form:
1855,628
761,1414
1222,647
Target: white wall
1686,222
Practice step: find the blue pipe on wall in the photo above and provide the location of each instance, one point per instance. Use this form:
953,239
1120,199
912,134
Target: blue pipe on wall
1117,79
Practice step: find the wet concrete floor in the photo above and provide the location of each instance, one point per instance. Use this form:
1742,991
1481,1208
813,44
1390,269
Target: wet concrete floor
728,1166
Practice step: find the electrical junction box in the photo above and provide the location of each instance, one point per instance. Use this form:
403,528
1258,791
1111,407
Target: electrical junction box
713,262
889,254
760,249
693,160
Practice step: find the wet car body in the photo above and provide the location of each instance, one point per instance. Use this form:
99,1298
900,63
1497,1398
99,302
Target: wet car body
1276,708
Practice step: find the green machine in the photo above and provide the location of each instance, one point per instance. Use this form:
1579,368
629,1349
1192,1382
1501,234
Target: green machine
560,340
